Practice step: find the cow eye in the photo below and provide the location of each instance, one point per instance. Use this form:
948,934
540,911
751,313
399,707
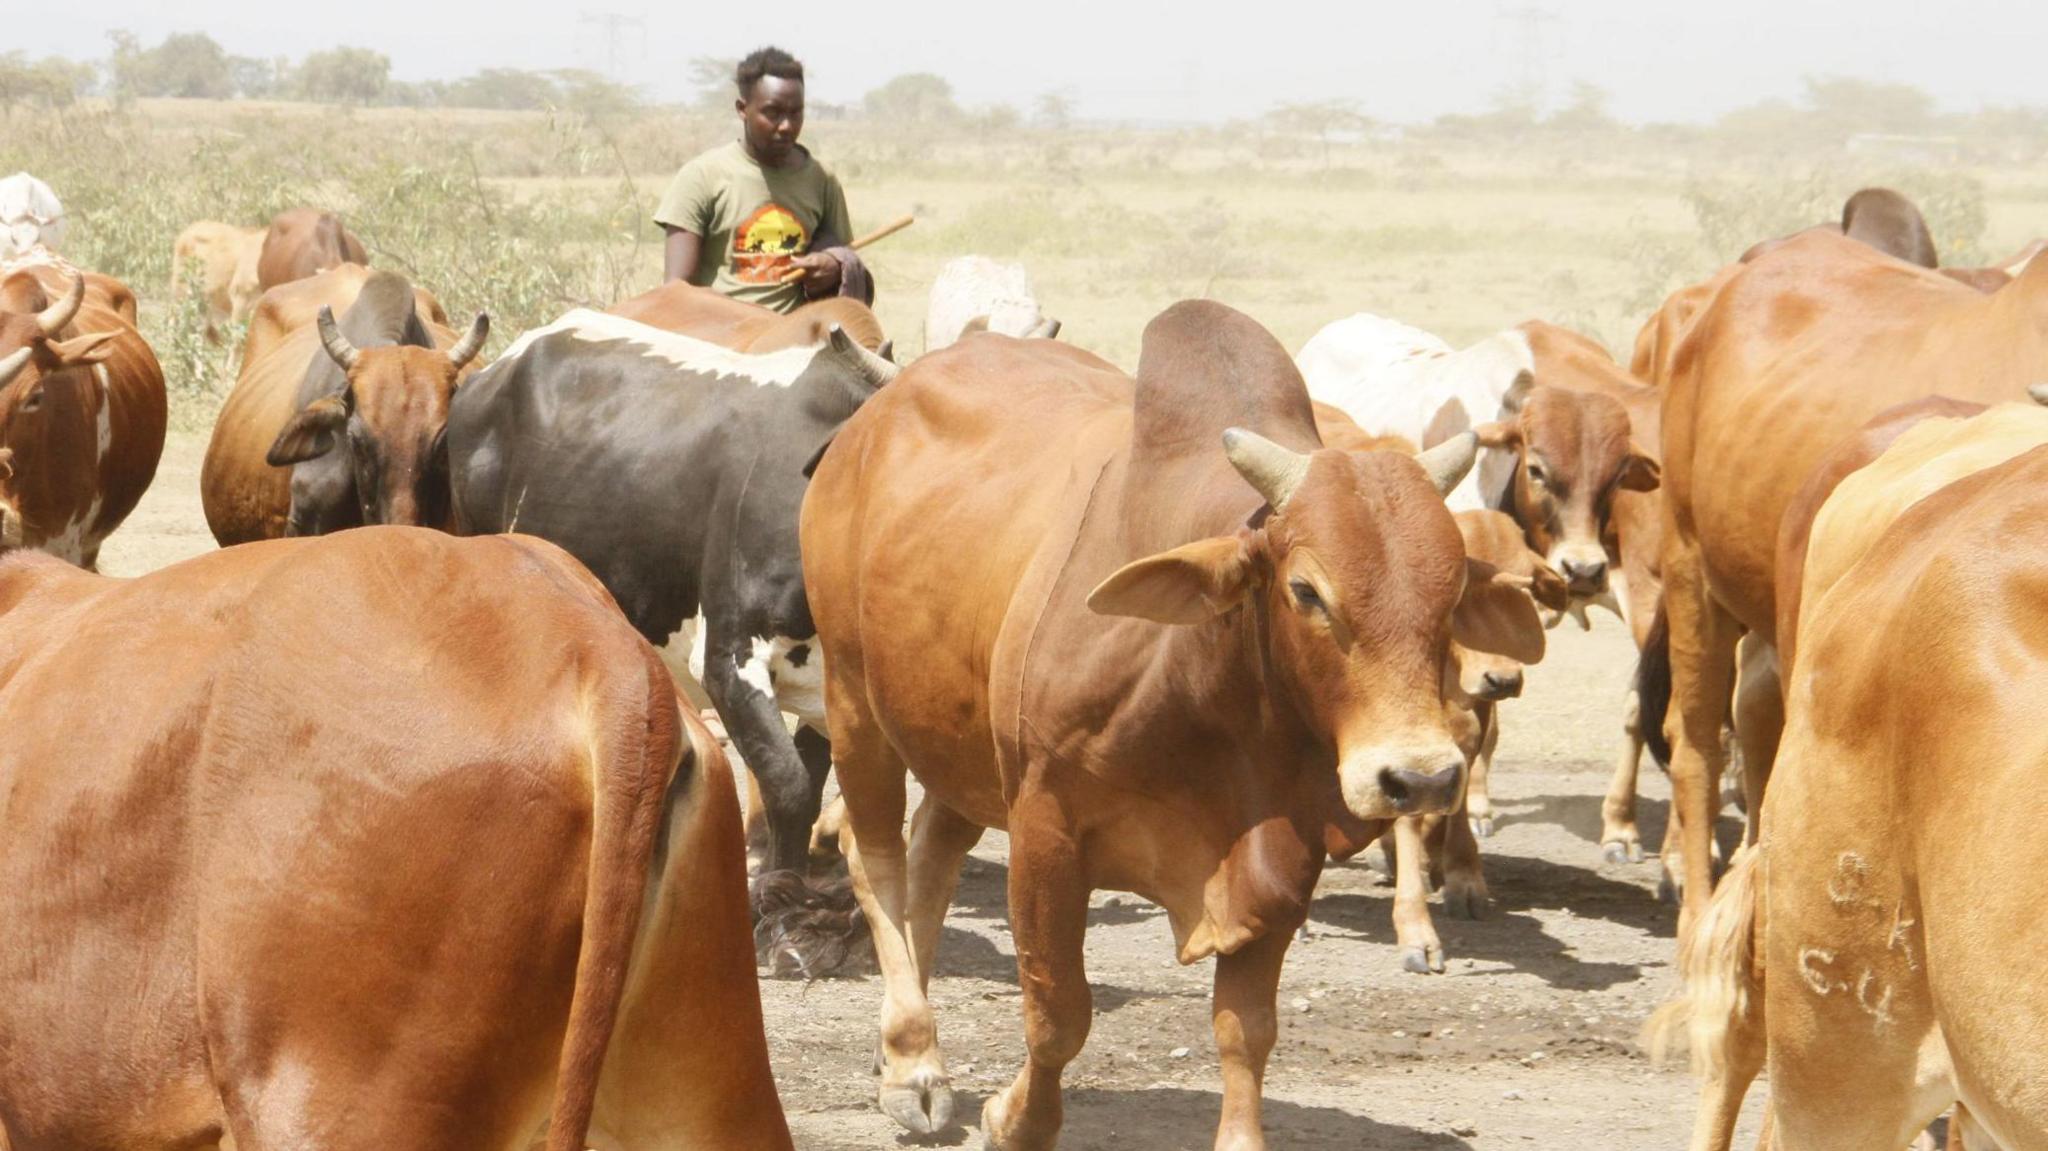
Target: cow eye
1305,594
1537,475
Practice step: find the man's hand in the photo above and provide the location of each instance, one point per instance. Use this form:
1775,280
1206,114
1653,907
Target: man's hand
821,273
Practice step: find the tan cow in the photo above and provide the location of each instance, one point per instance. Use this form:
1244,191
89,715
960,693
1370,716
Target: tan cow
302,242
224,257
278,462
1164,639
1799,349
82,410
685,308
1865,949
394,838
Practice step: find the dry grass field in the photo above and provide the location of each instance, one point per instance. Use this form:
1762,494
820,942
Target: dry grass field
1530,1039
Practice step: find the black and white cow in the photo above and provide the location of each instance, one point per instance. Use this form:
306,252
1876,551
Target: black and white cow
674,469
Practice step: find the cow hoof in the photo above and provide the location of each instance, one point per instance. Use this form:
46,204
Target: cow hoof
924,1106
992,1121
1463,902
1667,889
1618,851
1423,960
1482,826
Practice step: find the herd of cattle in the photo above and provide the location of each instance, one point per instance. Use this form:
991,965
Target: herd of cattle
408,837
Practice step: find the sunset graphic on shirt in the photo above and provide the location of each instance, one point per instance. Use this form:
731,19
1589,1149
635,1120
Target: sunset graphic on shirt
763,244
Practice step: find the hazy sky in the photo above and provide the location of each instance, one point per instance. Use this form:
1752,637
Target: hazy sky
1157,59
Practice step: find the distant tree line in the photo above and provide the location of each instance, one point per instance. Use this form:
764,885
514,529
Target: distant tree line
194,65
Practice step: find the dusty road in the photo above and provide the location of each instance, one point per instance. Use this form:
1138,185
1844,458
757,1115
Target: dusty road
1527,1040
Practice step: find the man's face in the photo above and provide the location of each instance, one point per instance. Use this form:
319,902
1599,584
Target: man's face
773,116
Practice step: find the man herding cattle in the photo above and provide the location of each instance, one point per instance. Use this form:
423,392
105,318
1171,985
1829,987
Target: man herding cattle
744,217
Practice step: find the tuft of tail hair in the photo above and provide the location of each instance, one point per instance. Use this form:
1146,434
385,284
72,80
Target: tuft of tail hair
809,927
1653,686
1721,1003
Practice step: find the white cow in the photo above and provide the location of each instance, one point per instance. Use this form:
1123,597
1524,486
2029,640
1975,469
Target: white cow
30,216
1392,379
973,293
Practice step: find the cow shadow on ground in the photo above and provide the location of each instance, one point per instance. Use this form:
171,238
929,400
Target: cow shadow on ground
1580,816
1182,1117
1509,935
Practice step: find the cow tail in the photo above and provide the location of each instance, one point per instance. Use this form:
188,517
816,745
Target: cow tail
1653,686
1721,1005
636,750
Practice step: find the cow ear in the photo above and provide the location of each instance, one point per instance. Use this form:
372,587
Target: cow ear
90,348
1496,614
310,434
1191,584
1639,473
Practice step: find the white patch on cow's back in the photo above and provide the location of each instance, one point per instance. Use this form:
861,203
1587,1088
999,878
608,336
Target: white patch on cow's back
767,369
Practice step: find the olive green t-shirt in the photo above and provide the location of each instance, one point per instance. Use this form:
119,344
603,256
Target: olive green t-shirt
754,220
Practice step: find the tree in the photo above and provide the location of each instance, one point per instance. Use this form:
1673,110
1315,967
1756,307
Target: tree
1844,106
52,82
712,77
591,94
1323,119
916,98
507,88
188,64
1587,111
260,79
344,76
1054,110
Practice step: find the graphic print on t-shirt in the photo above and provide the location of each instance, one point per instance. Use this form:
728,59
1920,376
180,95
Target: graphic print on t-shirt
764,243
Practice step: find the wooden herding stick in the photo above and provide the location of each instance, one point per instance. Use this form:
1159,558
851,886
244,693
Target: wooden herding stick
882,233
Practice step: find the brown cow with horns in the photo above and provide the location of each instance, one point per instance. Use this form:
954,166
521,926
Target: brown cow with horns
1188,648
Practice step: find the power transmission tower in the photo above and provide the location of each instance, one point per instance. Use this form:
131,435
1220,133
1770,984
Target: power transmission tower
614,26
1525,26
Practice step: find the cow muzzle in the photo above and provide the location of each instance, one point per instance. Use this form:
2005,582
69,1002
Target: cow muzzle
1386,782
1584,570
1500,684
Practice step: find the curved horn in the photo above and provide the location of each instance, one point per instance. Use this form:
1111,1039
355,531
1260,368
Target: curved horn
12,365
338,348
2039,393
872,368
1271,469
1447,463
472,342
53,318
1046,329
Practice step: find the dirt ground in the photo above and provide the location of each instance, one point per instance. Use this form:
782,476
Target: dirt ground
1529,1039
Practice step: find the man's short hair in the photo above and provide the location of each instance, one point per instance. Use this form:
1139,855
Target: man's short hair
766,62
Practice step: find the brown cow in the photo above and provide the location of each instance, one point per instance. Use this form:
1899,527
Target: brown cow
395,841
82,410
304,242
684,308
278,463
225,258
1866,946
1185,643
1799,349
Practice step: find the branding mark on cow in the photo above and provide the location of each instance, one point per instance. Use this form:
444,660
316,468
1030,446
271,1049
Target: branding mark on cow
776,369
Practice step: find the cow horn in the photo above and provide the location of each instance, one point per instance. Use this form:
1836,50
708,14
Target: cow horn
53,318
1448,462
1046,329
12,365
472,341
338,348
1273,470
2038,393
872,368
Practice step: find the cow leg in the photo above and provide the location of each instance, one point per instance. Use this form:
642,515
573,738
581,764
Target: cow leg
915,1090
940,839
815,751
1464,884
1759,722
1703,639
782,766
1247,1023
1478,801
1048,920
1421,951
1620,841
